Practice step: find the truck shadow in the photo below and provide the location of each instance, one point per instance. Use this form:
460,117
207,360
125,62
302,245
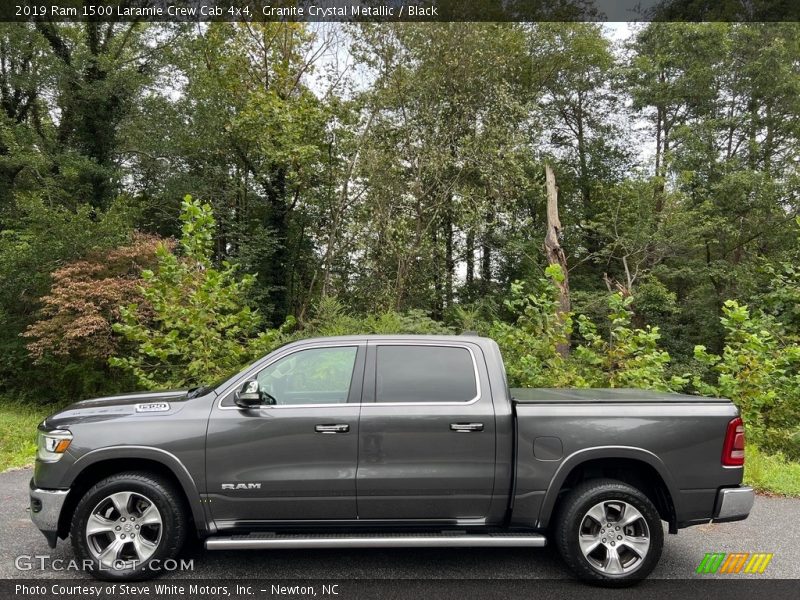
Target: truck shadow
388,563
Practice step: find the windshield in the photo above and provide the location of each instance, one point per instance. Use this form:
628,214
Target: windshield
229,377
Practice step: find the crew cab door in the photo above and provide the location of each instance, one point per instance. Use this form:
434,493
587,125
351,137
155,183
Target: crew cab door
294,460
427,433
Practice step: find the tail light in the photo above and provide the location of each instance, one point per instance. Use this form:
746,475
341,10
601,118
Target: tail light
733,450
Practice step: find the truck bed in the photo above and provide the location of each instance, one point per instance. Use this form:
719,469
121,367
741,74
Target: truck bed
603,396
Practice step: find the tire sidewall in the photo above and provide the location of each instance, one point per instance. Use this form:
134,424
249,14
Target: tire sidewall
569,526
172,532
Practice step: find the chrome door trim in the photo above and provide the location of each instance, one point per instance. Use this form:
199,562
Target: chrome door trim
431,343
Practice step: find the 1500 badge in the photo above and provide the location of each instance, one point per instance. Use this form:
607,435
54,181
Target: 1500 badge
241,486
147,407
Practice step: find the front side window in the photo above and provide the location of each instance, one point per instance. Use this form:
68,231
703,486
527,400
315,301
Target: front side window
424,374
313,376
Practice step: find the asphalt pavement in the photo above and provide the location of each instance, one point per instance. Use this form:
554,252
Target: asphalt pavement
772,527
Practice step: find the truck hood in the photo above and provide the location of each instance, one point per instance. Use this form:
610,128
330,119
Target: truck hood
110,407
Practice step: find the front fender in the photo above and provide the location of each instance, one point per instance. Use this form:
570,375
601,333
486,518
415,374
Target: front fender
164,458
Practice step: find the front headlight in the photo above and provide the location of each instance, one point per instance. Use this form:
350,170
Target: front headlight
52,444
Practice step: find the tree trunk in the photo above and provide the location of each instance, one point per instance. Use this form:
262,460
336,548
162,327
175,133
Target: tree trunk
470,258
449,260
553,250
486,255
275,270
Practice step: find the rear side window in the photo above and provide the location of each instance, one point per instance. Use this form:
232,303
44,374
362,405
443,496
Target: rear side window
424,374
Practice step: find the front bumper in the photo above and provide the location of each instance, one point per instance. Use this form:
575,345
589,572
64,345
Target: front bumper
45,507
733,504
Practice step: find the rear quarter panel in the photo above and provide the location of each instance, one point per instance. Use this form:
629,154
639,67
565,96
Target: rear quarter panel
682,441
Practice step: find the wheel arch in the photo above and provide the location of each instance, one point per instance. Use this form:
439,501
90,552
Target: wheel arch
635,466
101,463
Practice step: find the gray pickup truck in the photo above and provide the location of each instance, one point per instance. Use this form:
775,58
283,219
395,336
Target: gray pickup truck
386,441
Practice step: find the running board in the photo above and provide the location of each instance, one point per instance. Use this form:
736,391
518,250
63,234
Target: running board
258,541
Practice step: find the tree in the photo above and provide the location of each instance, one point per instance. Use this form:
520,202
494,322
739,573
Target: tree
193,324
248,137
443,161
84,301
42,238
100,69
554,251
72,339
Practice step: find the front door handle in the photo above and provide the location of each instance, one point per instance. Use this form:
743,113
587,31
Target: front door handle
339,428
466,427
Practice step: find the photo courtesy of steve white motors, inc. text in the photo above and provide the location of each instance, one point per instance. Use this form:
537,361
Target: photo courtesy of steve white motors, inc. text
138,590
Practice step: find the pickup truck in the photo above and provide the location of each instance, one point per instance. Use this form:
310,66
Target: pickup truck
386,441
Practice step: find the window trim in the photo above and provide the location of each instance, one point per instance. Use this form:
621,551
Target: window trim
476,372
256,369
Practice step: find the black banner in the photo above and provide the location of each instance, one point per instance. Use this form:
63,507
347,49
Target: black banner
397,10
392,589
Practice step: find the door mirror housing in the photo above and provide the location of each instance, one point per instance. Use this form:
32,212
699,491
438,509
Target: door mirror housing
249,395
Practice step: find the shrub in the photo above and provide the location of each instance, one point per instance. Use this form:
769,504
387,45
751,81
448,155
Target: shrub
759,369
530,344
194,324
627,357
85,299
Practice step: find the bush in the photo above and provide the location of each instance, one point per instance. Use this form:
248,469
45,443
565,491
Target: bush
193,324
627,357
759,369
630,357
76,319
530,345
331,318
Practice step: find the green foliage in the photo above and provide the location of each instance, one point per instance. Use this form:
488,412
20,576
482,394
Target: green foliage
625,357
194,324
629,357
332,318
759,369
399,188
530,344
42,239
782,298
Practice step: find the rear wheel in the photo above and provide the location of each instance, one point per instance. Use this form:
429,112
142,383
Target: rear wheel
609,533
127,525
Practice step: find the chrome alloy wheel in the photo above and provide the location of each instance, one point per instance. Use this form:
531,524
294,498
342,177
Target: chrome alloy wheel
614,537
123,530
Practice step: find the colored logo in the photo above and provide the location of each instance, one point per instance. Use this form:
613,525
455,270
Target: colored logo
737,562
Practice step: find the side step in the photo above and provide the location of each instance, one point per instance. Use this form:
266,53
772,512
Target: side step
257,541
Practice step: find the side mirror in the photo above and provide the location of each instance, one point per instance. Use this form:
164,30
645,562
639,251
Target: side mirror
249,395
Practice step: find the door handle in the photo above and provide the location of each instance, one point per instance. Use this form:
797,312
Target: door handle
466,427
339,428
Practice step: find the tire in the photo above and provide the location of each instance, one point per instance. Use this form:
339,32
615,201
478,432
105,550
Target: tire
109,541
589,546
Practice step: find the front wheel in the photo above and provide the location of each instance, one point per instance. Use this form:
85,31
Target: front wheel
127,526
609,533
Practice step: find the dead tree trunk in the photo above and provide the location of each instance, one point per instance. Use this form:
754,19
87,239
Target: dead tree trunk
553,250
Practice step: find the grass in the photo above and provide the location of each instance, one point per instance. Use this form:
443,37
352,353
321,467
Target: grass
18,433
771,474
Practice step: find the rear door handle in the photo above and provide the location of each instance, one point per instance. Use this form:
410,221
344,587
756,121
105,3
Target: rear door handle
339,428
466,427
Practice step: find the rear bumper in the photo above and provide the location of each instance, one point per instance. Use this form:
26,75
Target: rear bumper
45,507
733,504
